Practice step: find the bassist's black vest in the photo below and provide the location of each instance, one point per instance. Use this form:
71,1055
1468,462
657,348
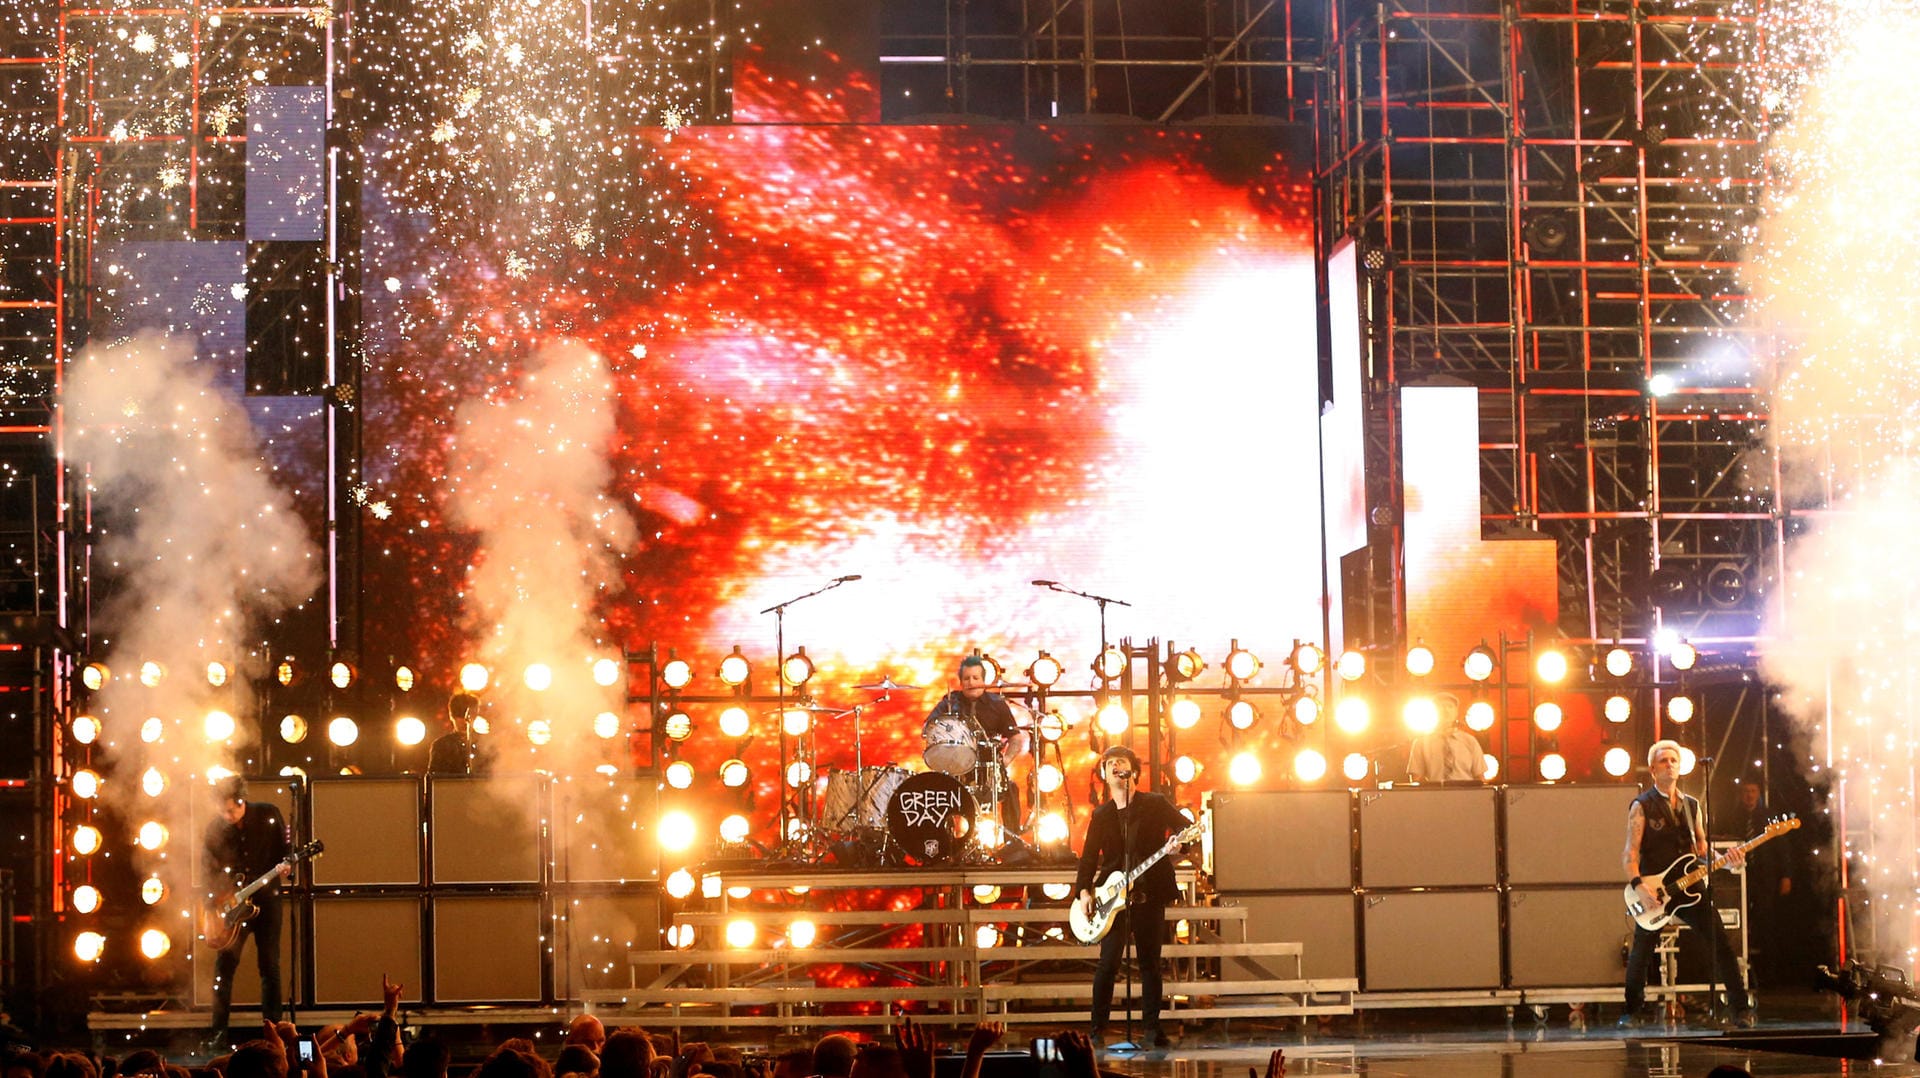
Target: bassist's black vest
1666,836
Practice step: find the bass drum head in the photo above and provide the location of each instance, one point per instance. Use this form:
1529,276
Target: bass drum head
929,818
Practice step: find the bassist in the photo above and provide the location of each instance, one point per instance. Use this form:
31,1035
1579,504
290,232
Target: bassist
245,841
1125,831
1664,825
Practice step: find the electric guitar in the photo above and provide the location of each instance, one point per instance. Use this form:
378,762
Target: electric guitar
1110,897
224,916
1679,886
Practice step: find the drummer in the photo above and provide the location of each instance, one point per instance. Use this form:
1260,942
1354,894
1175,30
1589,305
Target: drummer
972,704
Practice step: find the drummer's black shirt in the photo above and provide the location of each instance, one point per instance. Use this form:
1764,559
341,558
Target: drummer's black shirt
990,711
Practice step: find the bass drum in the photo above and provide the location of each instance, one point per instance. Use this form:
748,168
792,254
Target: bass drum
855,801
929,818
951,747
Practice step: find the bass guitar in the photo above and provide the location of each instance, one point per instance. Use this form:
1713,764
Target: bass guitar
1110,897
1679,886
224,916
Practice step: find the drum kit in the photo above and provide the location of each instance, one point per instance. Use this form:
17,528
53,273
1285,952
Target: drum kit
889,814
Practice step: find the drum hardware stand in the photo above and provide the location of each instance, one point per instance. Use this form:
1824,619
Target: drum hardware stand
779,612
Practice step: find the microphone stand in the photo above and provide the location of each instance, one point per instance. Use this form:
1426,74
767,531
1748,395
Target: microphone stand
779,612
1128,955
1102,600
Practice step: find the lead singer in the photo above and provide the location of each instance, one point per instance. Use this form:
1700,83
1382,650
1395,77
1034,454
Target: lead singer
1125,831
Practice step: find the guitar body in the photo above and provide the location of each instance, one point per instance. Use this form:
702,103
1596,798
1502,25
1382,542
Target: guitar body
1109,898
223,921
1671,894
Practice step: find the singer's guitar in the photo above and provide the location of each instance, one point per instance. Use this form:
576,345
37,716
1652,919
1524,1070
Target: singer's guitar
1679,886
1110,897
224,916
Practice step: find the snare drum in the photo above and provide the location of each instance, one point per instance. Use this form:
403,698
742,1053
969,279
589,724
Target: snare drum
929,818
859,800
951,747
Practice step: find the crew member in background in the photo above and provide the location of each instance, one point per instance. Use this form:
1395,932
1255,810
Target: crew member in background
457,752
1128,829
1451,753
247,840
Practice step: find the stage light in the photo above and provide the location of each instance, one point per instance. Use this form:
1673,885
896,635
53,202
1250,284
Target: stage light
1618,761
1553,767
1356,767
217,673
85,784
86,729
292,772
734,828
86,839
1480,716
1241,715
1186,665
1551,666
155,944
409,730
1114,718
538,677
678,726
986,936
1244,769
797,829
403,678
1489,767
1352,665
605,672
676,674
1479,664
1308,659
293,729
1683,656
1352,714
680,774
540,731
1045,671
218,772
1617,709
1051,828
153,891
1547,716
152,674
606,726
1048,777
343,731
735,722
741,933
795,722
474,677
1110,664
680,883
95,675
986,832
1420,715
733,774
153,782
1306,710
801,934
1680,709
1057,892
1052,726
1688,761
734,669
1185,713
1309,765
152,729
1185,769
797,669
285,672
151,836
986,893
217,726
1241,664
1419,660
680,936
1619,662
677,831
88,946
799,773
341,674
86,898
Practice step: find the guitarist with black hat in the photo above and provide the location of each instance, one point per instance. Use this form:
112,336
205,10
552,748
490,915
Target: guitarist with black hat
247,840
1131,828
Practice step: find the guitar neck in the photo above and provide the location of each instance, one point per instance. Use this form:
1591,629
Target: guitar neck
1720,862
1185,836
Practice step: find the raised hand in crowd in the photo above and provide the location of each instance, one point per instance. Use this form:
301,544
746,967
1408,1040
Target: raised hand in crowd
1276,1065
1076,1054
917,1045
985,1036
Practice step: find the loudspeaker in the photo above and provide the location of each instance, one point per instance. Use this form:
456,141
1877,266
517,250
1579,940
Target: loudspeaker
1282,840
355,940
1566,938
372,831
1427,837
1566,834
1323,924
592,935
1431,940
487,948
486,830
605,831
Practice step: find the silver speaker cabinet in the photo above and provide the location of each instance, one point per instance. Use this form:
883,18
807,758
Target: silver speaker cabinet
1431,940
1282,840
1566,834
1427,837
1569,938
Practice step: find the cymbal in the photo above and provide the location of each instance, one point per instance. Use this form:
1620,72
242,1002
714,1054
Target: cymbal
885,684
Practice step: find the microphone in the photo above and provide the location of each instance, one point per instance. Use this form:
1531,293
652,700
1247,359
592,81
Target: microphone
845,579
1045,583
